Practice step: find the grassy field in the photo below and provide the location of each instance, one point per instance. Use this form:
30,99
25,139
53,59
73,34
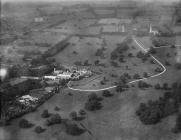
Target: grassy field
116,117
85,47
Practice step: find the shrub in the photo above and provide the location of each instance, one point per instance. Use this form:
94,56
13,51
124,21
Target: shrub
145,74
157,86
45,114
177,127
106,93
167,63
119,88
93,102
152,50
130,55
57,108
178,66
149,114
54,119
93,105
39,129
23,123
165,86
136,76
158,69
73,115
73,129
114,64
142,84
82,112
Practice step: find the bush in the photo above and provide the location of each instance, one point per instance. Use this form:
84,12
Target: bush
142,84
158,69
93,102
136,76
165,86
57,108
73,115
152,50
177,128
54,119
157,86
73,129
114,64
45,114
106,93
149,114
145,74
93,105
23,123
82,112
39,129
178,66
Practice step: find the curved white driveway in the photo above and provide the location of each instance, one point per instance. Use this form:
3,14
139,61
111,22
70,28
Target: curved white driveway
111,87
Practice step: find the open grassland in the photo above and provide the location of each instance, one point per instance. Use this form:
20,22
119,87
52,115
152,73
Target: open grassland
116,117
84,46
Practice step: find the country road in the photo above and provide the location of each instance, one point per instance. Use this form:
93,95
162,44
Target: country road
140,45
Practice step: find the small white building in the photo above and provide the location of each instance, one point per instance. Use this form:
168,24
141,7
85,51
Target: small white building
50,77
38,19
56,72
27,99
64,75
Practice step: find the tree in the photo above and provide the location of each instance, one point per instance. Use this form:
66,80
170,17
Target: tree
86,63
165,86
73,115
107,93
45,114
152,50
130,55
157,86
93,102
158,69
119,88
167,63
54,119
39,129
97,62
74,129
82,112
177,127
23,123
93,105
178,66
145,74
136,76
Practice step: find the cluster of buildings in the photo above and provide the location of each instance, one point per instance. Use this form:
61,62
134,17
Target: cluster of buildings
27,100
69,74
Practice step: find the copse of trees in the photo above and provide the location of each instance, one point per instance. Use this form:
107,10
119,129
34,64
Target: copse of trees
73,129
153,111
121,48
107,93
143,85
54,119
152,50
45,114
93,102
177,128
39,129
23,123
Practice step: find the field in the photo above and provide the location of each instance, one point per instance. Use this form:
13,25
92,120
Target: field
94,45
